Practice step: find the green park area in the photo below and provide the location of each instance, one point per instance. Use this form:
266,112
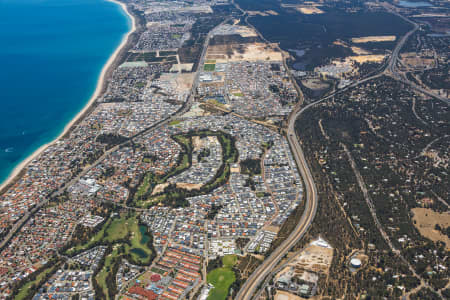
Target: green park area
125,232
27,290
222,278
174,122
209,67
125,238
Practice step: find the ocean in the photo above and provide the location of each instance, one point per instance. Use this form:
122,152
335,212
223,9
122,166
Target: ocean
51,55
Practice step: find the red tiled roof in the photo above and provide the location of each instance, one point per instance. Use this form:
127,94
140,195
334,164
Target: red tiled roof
137,290
155,277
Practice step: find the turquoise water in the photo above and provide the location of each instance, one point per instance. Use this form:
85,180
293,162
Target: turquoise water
51,55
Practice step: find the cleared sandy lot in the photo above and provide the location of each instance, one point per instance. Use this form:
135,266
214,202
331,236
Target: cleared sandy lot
367,58
282,295
309,10
374,38
262,13
247,52
181,81
426,220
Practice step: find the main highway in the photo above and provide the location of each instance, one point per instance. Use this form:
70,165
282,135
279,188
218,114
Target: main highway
391,68
311,203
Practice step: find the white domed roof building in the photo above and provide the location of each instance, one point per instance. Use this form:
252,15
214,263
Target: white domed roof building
355,263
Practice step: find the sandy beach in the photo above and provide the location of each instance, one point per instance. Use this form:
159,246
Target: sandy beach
101,81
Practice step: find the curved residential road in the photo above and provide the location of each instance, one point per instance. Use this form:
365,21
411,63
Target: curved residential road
250,286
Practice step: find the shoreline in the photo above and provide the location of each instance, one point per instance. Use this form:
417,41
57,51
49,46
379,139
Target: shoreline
17,171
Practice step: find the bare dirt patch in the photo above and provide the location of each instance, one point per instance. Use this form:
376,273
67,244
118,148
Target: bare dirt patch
262,13
375,38
256,13
189,186
159,188
244,52
426,220
368,58
271,12
356,50
245,31
413,59
309,10
282,295
314,258
197,142
359,51
235,170
181,67
181,81
272,228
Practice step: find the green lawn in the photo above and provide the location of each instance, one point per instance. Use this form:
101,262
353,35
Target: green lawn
174,122
229,261
94,240
101,277
140,84
222,278
128,239
25,289
209,67
118,229
146,186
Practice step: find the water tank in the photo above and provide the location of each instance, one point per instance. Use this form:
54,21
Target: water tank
355,263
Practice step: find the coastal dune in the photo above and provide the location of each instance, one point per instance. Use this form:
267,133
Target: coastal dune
101,85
